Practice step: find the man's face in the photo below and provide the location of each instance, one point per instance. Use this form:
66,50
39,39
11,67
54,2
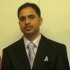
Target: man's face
29,21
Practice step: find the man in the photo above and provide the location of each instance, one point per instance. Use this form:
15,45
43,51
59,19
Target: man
46,55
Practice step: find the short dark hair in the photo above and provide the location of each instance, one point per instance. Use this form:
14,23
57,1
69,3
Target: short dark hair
33,5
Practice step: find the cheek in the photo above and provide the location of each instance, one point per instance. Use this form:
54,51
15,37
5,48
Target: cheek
21,26
37,24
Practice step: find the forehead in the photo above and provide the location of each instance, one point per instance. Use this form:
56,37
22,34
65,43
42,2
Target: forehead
27,11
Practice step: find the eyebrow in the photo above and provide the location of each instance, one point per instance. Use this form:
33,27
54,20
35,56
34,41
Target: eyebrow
27,16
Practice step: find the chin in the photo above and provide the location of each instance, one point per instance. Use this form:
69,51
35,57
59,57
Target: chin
28,32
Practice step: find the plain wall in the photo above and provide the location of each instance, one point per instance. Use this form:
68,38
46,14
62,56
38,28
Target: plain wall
56,21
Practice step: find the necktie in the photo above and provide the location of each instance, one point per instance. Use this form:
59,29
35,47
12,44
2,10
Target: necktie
31,54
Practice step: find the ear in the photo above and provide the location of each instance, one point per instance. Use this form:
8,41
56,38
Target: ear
41,20
19,23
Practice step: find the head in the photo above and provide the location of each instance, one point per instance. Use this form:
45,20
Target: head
29,16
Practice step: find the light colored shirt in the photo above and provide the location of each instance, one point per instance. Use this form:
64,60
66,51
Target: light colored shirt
36,42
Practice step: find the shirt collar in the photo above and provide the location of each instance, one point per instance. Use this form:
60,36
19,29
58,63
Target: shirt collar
36,41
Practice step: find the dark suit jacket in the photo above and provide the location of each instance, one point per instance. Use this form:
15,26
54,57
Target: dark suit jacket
15,57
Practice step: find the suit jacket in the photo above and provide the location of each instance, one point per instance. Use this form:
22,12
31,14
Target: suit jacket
50,56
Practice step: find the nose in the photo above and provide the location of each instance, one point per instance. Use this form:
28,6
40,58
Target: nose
27,21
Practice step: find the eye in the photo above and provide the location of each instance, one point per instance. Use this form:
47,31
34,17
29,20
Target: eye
22,18
31,16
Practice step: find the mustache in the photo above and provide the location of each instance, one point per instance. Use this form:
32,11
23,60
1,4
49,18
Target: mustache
28,26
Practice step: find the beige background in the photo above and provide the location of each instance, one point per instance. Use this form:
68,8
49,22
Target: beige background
56,21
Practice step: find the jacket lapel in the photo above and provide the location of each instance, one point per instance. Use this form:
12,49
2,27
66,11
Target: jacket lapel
42,52
22,55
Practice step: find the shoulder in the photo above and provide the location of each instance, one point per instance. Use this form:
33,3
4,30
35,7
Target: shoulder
54,46
14,45
52,43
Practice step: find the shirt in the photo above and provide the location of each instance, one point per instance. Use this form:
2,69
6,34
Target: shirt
36,42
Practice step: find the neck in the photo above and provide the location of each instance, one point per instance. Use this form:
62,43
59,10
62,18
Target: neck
31,37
